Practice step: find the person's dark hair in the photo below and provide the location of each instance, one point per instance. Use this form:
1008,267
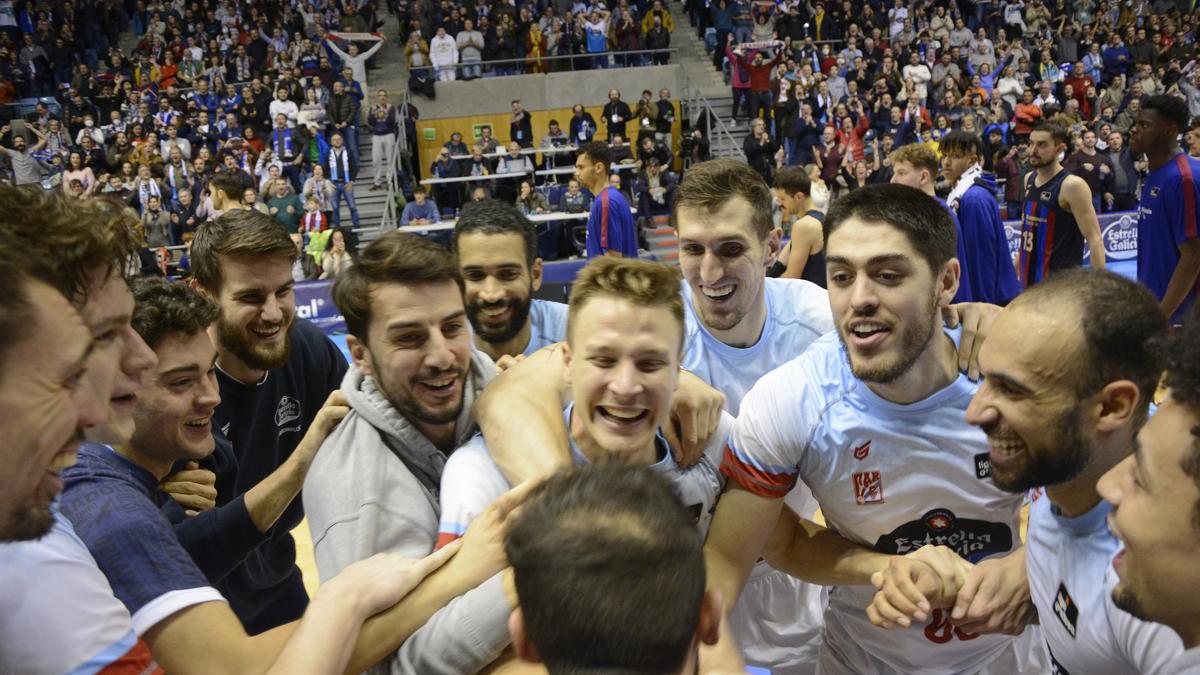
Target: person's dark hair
710,185
609,570
395,258
163,308
1122,329
492,216
597,152
1058,132
958,143
229,183
16,312
1182,351
793,179
240,232
65,241
921,218
1171,108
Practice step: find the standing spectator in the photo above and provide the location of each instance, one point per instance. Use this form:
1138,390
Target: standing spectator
658,37
1122,193
1027,115
470,49
342,114
1093,167
610,227
520,128
443,52
155,224
282,105
739,80
1117,59
760,150
285,206
616,114
665,119
286,144
357,63
759,71
596,42
321,189
582,126
384,128
341,167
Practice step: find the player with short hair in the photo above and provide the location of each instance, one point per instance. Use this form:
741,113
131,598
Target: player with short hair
1059,216
1155,498
617,540
496,249
870,418
1168,216
803,256
610,227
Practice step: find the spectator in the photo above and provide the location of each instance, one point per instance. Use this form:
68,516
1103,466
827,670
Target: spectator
336,258
470,48
357,63
420,211
520,128
443,53
655,190
616,114
582,125
384,127
574,200
531,202
285,206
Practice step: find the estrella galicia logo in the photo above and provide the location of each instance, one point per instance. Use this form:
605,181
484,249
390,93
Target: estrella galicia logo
287,411
972,539
1065,609
983,466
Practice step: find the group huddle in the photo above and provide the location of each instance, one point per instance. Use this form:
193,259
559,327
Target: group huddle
629,482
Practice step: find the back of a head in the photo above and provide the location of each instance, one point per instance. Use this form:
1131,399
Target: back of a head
708,186
609,570
396,257
923,220
64,241
792,180
639,282
237,233
163,308
961,143
493,216
919,155
1122,327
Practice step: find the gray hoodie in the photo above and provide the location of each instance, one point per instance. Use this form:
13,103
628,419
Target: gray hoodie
373,487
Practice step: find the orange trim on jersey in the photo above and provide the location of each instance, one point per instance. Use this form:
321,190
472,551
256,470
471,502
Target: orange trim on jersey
136,661
444,539
755,480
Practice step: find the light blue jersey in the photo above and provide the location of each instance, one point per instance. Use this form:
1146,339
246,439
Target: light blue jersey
1071,581
547,324
797,314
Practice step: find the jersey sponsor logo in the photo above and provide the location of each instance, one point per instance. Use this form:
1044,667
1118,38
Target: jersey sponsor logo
1065,609
1046,196
288,410
983,466
968,537
861,452
868,487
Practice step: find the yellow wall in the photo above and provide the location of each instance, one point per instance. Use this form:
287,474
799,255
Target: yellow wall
540,122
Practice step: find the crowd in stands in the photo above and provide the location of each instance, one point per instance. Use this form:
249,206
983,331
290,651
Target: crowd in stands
272,95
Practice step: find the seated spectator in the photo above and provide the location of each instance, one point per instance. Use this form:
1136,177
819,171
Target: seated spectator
420,211
336,258
655,190
575,200
530,201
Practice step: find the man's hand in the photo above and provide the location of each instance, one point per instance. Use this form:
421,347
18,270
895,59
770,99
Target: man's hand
384,579
976,319
332,412
695,413
505,362
483,543
995,597
193,488
914,584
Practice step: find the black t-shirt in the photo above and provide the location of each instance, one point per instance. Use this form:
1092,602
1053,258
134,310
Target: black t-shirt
264,422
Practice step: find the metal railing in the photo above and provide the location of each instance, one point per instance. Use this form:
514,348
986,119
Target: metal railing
524,62
721,142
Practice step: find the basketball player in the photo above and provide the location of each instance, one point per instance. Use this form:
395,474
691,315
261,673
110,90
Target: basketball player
803,256
1059,215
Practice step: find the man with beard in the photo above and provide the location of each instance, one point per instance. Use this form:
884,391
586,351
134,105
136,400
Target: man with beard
374,485
496,248
870,418
1069,370
1059,215
275,373
1154,494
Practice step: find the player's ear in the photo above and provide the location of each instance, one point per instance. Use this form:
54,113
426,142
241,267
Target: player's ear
521,644
360,354
566,353
948,282
535,274
1118,402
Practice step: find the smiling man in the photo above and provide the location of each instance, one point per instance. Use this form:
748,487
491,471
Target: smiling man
625,332
275,373
496,248
871,419
1155,495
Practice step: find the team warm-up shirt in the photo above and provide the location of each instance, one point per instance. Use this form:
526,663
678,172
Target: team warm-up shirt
1167,217
60,614
264,421
471,480
547,324
610,225
889,477
1071,580
111,502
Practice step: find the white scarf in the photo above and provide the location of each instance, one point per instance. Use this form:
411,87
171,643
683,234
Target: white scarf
965,181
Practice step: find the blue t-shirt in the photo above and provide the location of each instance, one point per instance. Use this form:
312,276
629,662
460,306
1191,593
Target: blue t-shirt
547,324
610,225
1167,217
111,502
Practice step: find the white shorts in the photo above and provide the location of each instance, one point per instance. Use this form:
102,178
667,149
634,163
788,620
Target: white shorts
1024,655
778,622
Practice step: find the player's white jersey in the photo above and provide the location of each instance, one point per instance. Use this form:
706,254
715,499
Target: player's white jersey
1071,581
887,476
471,480
797,315
547,324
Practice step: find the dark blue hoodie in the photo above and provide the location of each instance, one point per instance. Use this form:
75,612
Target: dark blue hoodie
987,267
